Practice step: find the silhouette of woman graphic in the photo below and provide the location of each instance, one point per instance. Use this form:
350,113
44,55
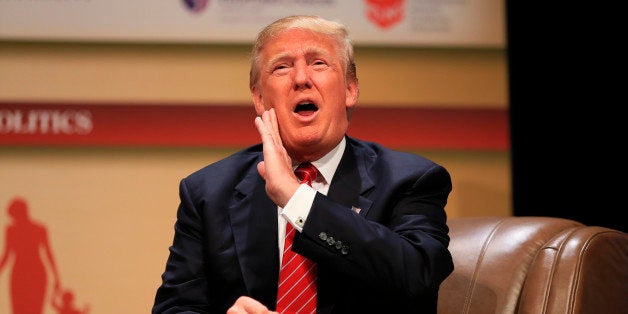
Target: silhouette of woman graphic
24,242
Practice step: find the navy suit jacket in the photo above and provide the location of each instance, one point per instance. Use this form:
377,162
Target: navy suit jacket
379,237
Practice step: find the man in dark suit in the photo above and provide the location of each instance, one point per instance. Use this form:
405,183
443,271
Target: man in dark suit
372,222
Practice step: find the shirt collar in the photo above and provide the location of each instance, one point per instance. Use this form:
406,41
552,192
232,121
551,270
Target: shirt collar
328,164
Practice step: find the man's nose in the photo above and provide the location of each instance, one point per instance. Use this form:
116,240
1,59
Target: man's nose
301,77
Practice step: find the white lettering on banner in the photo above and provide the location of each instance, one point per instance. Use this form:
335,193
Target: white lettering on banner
46,122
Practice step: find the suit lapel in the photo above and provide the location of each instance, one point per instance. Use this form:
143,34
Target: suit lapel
350,187
253,219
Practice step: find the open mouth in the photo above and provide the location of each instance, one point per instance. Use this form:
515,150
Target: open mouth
306,108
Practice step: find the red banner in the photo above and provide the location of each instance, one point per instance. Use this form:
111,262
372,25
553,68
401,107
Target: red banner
52,124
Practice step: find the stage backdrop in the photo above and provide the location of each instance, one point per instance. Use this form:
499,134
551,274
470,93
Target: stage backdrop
91,156
89,192
463,23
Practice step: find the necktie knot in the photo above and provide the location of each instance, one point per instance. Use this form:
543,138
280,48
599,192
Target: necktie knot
306,173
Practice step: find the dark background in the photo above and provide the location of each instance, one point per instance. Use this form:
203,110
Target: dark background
566,131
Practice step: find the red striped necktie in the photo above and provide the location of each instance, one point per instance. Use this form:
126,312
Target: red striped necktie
297,278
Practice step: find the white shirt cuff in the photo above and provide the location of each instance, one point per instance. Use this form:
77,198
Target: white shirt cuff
298,207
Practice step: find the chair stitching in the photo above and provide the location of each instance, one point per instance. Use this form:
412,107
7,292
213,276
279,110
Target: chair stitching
552,274
467,303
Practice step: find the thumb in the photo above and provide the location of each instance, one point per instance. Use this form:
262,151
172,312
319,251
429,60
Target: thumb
261,168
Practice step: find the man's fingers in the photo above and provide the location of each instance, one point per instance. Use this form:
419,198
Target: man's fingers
274,126
248,305
261,128
267,128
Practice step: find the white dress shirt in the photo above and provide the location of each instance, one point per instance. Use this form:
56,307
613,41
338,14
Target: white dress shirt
298,207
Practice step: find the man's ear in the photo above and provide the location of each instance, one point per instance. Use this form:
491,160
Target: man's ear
352,93
257,100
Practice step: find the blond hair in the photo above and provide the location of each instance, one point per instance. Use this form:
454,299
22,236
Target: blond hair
334,30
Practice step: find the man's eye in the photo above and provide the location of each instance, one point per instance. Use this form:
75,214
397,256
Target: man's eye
280,68
319,64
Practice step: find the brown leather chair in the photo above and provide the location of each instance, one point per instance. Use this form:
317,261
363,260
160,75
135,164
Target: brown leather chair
535,265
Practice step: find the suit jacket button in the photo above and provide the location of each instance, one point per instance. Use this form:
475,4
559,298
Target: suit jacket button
344,250
338,245
322,236
330,240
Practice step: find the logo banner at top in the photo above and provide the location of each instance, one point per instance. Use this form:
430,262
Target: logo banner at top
451,23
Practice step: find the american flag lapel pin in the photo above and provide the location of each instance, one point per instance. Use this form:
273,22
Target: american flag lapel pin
356,209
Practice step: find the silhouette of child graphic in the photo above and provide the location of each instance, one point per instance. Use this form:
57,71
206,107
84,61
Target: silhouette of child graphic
66,304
